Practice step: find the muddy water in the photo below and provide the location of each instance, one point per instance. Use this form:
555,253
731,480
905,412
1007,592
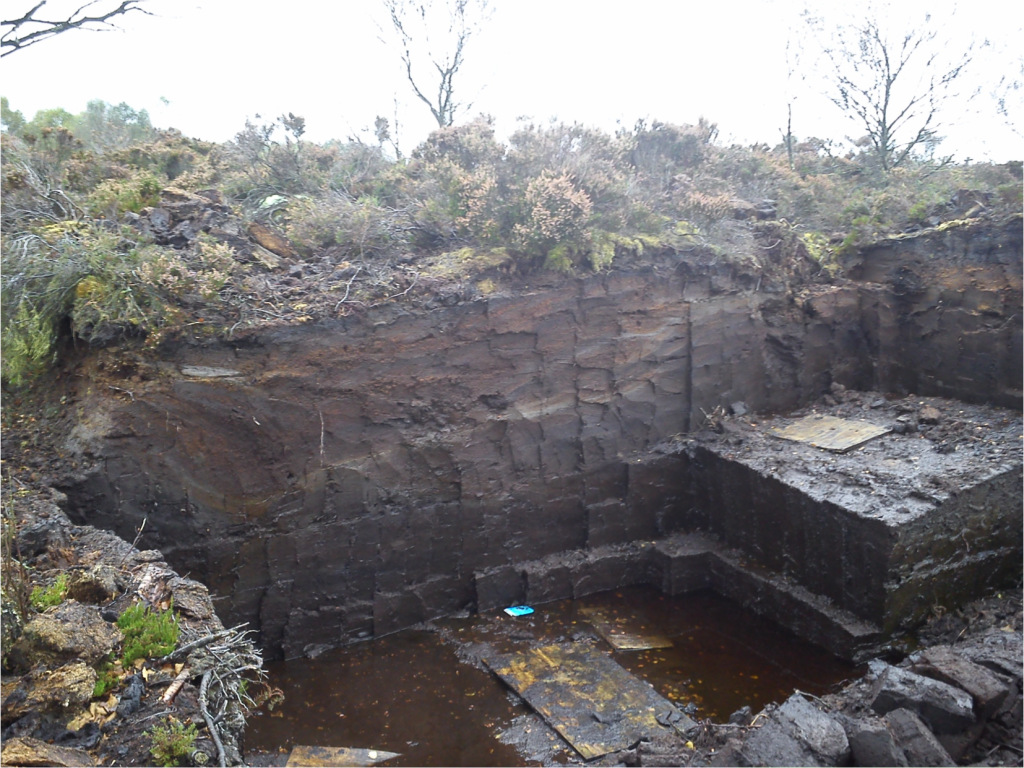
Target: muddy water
409,693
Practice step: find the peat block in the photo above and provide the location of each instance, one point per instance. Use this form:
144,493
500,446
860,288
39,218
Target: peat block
887,530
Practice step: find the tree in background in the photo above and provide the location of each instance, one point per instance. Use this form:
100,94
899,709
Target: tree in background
435,42
104,126
30,29
1008,95
894,84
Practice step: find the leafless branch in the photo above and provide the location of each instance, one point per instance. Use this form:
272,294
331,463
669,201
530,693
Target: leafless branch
461,26
893,86
29,29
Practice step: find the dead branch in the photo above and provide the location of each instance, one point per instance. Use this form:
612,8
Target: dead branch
180,653
14,39
461,27
176,685
204,688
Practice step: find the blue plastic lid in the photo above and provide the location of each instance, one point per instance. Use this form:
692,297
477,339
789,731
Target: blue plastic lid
519,610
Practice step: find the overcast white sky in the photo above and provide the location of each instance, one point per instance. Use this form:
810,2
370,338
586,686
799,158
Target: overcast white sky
220,61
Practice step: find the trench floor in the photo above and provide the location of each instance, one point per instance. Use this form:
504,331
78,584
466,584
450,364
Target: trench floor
423,693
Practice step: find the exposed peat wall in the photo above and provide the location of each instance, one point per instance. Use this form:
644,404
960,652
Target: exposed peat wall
347,478
944,311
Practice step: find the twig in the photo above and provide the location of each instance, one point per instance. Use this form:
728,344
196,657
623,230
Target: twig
204,687
184,650
176,686
809,695
1006,746
136,541
268,312
118,389
348,287
158,714
415,279
321,413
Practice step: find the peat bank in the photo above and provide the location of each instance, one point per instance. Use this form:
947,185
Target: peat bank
840,460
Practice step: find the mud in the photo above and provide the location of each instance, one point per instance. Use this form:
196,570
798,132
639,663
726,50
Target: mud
945,310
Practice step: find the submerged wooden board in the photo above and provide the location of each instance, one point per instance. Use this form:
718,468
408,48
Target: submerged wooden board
316,757
830,433
596,705
625,630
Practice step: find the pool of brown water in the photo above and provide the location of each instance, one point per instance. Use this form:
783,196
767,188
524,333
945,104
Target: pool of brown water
410,693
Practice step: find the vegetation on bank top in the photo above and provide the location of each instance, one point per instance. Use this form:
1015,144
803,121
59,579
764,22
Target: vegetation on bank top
77,259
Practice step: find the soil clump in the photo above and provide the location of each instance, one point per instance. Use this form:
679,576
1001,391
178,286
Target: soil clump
66,698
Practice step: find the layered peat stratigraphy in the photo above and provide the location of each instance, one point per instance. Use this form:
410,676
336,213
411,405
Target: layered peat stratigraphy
349,478
943,308
336,480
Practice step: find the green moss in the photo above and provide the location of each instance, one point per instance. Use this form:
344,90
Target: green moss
47,597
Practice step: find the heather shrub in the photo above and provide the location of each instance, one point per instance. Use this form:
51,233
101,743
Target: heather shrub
171,742
202,271
104,283
351,229
190,163
703,209
113,197
361,170
591,160
259,164
466,146
556,215
660,151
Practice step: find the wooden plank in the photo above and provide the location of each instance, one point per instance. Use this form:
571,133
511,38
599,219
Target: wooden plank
317,757
830,433
625,630
595,704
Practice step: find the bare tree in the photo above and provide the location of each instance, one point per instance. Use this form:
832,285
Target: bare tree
794,72
1008,95
30,29
893,84
416,25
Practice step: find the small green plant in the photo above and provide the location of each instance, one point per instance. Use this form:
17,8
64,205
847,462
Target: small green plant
918,212
147,634
115,196
171,742
106,678
47,597
16,593
29,349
